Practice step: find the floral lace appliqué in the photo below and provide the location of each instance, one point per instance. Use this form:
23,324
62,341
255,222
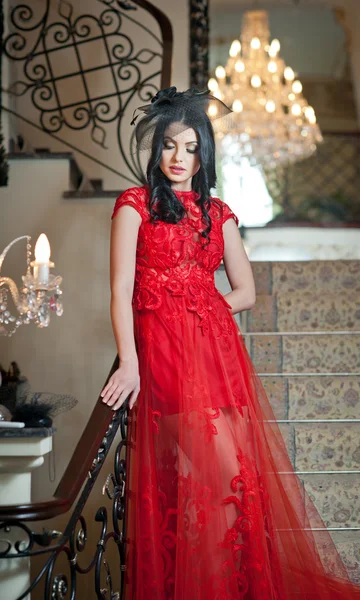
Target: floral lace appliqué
174,259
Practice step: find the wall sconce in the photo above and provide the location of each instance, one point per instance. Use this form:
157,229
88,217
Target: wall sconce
40,293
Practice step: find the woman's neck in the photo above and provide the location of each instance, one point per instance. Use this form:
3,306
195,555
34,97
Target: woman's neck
183,186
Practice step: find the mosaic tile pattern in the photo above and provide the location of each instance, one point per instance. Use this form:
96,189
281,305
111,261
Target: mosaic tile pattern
313,276
263,316
313,297
262,272
348,546
276,389
266,353
305,312
321,354
327,447
316,397
336,497
350,553
328,353
288,434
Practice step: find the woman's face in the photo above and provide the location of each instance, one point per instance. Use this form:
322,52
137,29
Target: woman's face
180,156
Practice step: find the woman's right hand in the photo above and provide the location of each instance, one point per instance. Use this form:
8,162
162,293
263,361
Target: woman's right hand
124,381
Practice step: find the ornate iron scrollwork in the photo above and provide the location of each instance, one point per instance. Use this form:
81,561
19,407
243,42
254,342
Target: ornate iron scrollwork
44,45
73,541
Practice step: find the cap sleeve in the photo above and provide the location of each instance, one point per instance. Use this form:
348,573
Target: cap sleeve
135,197
227,214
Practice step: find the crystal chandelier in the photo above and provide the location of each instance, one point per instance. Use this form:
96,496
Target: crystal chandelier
271,121
40,293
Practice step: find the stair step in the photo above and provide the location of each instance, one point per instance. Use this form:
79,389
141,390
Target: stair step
314,397
327,446
318,447
348,546
312,353
44,154
304,311
313,276
336,497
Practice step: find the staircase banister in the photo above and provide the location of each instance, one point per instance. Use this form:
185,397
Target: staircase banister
75,474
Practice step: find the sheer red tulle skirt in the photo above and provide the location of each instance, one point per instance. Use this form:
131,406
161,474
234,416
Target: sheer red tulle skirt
215,511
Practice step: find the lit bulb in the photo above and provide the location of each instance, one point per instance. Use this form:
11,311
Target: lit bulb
212,112
289,74
297,87
213,84
235,48
291,96
272,66
270,106
296,110
237,106
255,43
274,48
41,265
239,66
42,249
309,112
312,119
256,81
220,72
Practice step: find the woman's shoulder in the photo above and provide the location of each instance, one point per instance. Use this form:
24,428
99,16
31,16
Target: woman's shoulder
137,197
222,211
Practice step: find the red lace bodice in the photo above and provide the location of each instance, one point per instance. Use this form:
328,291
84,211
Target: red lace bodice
174,258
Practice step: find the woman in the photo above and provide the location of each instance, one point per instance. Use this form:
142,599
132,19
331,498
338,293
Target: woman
215,510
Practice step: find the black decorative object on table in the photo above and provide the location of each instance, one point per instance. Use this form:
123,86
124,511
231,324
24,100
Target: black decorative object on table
35,409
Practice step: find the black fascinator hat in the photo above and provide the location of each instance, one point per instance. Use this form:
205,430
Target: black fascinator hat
184,108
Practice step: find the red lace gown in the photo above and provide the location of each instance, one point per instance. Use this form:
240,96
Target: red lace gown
214,511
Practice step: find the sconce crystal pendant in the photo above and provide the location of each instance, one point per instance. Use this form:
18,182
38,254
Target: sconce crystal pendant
271,122
40,294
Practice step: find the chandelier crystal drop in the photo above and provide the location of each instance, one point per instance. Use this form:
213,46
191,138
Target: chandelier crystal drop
39,295
271,122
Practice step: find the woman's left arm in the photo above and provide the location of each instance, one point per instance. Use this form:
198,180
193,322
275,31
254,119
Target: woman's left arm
238,270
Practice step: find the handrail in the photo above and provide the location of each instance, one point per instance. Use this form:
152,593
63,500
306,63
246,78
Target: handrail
78,469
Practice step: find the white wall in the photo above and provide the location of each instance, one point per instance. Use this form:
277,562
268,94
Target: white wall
74,355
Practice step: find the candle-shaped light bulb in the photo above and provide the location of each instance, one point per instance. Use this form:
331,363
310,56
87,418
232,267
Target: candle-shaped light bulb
42,249
42,264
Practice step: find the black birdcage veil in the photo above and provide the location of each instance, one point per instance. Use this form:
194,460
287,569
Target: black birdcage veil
180,109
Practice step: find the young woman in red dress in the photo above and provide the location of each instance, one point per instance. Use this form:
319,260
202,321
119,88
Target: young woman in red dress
214,508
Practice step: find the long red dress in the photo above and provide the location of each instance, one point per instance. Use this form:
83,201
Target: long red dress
215,511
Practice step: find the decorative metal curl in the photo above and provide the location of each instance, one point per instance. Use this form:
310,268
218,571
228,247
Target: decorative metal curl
72,542
38,41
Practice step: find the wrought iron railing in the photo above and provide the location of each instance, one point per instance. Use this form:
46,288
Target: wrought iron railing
41,45
79,478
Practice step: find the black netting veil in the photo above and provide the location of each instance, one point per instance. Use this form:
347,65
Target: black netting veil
183,110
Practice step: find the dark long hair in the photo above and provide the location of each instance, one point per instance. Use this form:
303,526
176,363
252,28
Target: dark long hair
168,207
